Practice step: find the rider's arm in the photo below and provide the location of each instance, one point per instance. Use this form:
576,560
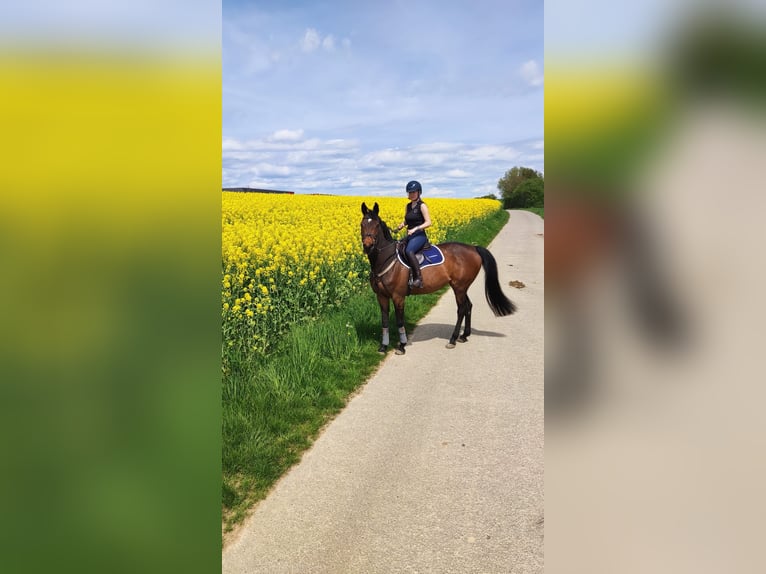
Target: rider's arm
426,216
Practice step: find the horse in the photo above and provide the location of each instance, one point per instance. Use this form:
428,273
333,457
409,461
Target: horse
389,278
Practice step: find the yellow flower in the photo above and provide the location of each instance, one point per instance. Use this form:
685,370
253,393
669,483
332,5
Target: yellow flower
314,239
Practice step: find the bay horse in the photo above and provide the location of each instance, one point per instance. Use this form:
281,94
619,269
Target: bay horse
389,278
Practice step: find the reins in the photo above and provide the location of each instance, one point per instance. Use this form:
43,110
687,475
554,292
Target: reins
378,275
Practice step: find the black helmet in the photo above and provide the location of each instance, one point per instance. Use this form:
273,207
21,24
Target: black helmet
414,186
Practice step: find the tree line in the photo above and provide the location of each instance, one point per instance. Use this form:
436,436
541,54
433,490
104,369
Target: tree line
521,187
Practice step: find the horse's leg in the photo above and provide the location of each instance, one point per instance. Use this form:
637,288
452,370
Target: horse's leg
467,327
461,298
384,310
399,310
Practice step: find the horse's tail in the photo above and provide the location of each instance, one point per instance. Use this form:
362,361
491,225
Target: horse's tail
498,302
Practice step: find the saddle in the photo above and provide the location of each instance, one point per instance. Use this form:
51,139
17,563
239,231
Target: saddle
429,255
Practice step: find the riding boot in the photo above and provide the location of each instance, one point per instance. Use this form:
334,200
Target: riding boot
417,280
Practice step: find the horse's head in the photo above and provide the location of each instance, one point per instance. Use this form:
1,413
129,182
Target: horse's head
371,227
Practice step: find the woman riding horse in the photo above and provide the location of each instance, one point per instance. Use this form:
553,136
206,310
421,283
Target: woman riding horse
417,219
459,269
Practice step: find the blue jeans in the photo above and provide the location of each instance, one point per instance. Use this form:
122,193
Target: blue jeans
416,241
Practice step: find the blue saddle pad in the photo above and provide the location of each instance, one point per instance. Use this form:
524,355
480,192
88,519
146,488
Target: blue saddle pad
430,256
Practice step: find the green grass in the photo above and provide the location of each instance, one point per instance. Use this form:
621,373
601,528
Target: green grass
275,406
538,210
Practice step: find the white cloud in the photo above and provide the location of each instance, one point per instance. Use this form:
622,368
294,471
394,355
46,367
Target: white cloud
244,156
342,143
230,144
439,146
383,157
269,170
492,152
440,191
287,136
531,73
291,160
310,41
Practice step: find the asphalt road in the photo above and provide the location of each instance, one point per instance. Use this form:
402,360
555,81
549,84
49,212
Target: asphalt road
437,464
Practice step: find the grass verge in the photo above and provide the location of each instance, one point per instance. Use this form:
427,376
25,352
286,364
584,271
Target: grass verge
274,406
538,210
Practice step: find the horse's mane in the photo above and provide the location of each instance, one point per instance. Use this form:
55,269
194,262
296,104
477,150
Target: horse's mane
373,214
386,230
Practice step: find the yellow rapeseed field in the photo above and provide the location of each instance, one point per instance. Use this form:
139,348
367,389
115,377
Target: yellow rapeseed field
287,257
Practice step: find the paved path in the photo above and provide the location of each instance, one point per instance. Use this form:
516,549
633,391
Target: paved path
440,473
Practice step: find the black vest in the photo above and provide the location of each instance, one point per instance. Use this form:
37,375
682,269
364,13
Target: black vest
413,216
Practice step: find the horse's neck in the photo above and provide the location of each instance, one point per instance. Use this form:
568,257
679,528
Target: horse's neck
380,257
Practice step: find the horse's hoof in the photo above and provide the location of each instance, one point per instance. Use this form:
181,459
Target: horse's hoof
450,345
382,349
399,350
462,340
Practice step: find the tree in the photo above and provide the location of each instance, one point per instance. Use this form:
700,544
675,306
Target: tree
521,187
513,178
530,193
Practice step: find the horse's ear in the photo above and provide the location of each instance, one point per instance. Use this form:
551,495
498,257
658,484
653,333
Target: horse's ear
364,208
375,208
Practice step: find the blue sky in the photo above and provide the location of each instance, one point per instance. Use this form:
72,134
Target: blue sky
357,98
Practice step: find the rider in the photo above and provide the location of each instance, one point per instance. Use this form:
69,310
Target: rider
416,219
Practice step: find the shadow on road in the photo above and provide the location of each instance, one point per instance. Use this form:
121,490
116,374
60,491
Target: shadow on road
443,331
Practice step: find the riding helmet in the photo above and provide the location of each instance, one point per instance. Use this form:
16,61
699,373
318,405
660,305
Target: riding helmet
414,186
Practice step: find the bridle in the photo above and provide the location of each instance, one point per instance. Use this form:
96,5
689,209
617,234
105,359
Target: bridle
378,275
373,236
